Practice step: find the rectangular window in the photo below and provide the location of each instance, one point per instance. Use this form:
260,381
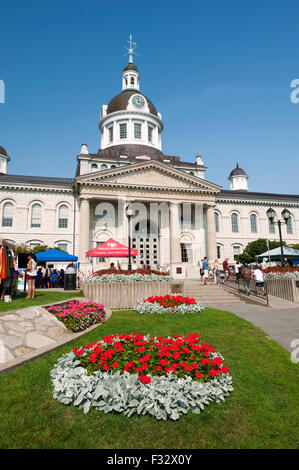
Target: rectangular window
123,131
137,130
110,130
7,222
218,251
185,252
62,223
150,134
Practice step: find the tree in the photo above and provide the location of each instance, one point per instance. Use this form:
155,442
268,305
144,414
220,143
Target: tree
295,247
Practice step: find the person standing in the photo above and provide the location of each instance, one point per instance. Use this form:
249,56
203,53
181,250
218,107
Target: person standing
205,267
31,274
225,269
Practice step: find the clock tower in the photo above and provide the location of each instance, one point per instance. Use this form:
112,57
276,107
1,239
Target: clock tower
130,121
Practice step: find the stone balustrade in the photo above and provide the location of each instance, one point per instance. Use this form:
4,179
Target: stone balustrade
287,289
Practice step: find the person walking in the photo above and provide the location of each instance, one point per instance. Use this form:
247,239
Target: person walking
216,270
226,270
259,280
246,276
237,270
31,275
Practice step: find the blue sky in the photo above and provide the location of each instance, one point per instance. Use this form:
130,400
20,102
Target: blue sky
219,73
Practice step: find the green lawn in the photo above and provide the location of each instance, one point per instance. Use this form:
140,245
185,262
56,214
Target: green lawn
41,298
261,412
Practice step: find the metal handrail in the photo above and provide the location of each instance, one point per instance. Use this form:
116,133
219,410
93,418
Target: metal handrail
236,285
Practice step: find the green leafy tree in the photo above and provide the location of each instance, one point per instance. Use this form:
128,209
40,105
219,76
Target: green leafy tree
295,247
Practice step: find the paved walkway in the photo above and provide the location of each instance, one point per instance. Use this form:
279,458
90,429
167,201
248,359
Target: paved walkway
280,321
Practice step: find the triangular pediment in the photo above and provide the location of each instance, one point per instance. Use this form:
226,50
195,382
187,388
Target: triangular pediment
151,174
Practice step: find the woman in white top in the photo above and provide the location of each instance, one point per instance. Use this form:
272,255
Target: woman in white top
31,274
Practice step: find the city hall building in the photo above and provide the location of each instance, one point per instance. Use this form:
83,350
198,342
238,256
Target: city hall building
178,216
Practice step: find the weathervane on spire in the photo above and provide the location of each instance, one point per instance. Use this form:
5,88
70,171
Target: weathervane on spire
130,49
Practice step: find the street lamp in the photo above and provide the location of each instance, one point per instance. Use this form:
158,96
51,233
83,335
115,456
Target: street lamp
285,215
129,214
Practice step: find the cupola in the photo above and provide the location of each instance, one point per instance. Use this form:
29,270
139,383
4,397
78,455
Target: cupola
238,179
4,159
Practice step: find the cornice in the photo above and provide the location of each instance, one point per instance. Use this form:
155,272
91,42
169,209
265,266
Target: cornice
98,177
261,202
130,113
23,187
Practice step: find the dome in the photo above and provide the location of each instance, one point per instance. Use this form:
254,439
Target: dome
237,172
120,102
3,151
130,150
131,67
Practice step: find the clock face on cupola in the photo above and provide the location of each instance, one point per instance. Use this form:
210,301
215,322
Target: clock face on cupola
138,101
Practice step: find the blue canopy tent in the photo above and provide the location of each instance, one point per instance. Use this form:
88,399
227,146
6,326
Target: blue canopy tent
55,255
275,254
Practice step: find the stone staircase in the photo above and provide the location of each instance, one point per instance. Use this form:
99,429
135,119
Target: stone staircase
211,295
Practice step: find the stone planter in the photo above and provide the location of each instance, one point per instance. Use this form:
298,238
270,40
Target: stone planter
123,295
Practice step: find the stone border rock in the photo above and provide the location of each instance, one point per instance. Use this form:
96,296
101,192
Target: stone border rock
35,336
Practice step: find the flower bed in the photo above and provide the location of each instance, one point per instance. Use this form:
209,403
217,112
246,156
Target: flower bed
278,272
174,303
139,275
77,315
164,377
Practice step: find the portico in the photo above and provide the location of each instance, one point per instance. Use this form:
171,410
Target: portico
173,207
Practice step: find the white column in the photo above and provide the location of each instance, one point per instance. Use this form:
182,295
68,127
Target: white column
175,249
211,232
84,229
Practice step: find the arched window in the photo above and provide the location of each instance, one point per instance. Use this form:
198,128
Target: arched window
235,223
63,216
253,223
271,226
36,215
216,221
289,226
103,167
113,166
94,167
132,81
7,215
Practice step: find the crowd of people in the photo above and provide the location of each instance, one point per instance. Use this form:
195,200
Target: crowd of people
213,273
